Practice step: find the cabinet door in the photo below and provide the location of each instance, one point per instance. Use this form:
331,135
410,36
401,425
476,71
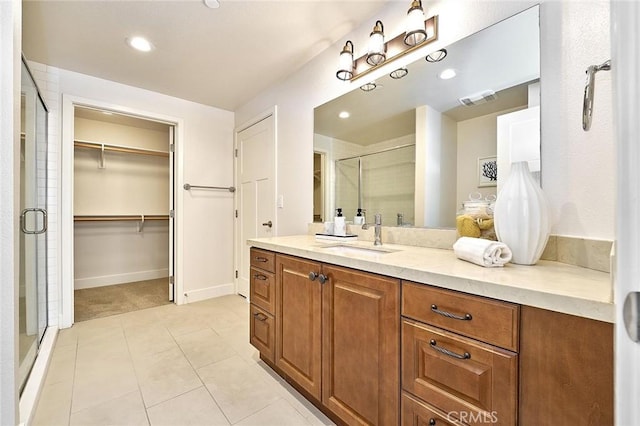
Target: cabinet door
361,346
262,289
262,332
566,369
298,322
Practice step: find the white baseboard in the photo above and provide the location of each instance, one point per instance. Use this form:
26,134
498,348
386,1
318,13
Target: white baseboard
208,293
101,281
35,382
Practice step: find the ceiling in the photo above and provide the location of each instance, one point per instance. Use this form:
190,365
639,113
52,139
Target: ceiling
220,57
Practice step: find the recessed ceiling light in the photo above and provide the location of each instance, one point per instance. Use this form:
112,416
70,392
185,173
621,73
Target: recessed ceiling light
344,114
140,43
212,4
447,74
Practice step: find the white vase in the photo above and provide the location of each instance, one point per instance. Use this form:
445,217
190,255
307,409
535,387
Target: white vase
521,215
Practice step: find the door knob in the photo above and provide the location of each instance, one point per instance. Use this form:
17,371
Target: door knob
269,224
631,315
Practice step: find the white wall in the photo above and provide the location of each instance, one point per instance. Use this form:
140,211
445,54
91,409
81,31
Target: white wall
573,36
10,40
578,168
204,156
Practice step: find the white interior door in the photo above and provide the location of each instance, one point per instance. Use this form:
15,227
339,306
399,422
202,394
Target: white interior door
256,192
518,139
625,66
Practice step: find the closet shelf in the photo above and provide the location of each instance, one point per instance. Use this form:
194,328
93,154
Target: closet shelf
118,217
118,148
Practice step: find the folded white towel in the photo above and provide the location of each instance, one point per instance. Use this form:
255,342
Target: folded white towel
482,252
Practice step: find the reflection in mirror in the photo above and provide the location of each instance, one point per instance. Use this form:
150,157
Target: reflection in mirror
448,127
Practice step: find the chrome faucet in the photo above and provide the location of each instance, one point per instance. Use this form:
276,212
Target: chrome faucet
378,229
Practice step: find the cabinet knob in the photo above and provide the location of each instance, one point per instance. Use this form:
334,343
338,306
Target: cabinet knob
432,422
321,277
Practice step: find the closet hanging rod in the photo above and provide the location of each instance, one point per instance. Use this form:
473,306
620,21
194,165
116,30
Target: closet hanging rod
119,148
226,188
112,218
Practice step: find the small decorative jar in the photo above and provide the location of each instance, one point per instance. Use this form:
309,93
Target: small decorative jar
475,219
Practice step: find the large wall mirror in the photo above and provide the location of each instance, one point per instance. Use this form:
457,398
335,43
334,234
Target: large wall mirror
414,148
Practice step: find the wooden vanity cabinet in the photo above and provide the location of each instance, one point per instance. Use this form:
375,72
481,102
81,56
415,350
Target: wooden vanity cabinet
369,350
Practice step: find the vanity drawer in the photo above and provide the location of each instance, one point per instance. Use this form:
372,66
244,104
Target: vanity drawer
473,381
263,259
262,332
487,320
419,413
262,289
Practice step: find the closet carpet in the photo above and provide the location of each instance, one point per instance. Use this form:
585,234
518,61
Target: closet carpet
117,299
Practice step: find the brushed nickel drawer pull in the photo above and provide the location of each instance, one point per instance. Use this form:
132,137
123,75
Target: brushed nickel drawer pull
260,317
260,277
442,350
466,317
262,259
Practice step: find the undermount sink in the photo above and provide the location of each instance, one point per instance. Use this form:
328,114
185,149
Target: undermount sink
359,250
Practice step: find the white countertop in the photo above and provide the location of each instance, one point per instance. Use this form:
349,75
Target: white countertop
549,285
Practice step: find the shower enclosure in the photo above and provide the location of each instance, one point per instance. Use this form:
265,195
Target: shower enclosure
32,298
379,182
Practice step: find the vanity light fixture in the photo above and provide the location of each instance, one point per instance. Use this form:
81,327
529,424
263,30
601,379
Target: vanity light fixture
447,74
436,56
399,73
416,30
345,63
377,49
139,43
380,52
367,87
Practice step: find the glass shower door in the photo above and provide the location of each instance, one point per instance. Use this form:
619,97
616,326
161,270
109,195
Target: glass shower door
32,302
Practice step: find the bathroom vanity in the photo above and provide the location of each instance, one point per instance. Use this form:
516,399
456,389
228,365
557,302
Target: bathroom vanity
414,336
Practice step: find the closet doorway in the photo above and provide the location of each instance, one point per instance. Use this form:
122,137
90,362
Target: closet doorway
122,206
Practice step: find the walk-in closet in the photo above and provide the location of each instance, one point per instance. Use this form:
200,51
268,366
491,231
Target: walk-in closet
122,201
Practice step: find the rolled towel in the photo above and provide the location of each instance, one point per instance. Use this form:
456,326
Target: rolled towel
482,252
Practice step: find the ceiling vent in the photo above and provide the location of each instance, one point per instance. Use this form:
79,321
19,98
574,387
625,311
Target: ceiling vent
479,98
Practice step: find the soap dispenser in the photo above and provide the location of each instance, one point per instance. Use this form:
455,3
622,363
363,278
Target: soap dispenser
358,219
339,226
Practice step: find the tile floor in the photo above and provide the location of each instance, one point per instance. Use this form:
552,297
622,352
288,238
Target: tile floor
170,365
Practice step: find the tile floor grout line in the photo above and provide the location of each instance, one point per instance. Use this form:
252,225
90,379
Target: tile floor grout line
135,372
198,375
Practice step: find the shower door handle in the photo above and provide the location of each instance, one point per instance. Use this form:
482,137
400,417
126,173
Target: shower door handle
23,221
